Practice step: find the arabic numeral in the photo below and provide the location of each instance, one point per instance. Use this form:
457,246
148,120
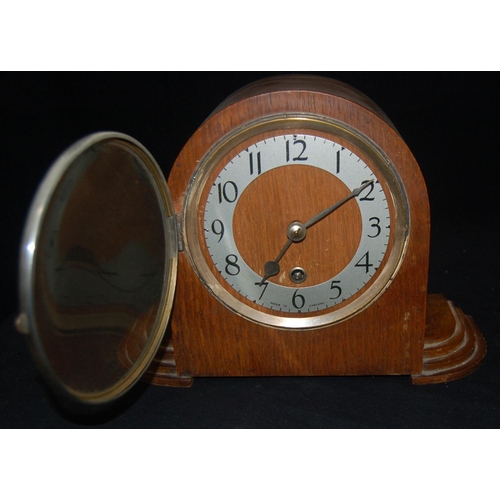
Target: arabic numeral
258,162
298,300
264,285
376,225
227,191
299,157
336,289
337,160
218,229
364,262
367,196
232,267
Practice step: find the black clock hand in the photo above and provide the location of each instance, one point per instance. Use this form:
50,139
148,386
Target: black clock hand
329,210
271,267
296,232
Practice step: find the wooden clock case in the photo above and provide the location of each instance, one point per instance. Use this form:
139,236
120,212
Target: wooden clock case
404,332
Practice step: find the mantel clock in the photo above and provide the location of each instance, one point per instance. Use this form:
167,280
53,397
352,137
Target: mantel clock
292,239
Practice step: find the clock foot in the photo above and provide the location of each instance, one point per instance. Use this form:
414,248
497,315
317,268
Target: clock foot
163,371
453,345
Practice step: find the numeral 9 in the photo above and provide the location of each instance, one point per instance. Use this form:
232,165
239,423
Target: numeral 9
218,228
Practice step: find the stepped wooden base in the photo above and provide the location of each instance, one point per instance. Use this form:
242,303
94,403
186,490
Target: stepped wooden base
453,345
162,370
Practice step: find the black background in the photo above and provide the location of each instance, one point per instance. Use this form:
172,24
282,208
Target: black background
449,121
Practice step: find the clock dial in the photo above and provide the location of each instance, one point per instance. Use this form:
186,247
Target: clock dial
315,276
295,226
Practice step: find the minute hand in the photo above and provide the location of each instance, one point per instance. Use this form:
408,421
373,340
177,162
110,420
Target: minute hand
329,210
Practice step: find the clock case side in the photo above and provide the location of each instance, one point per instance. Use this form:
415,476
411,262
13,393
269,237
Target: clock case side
386,338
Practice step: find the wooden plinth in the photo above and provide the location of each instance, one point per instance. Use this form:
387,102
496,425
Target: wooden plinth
162,371
453,345
453,349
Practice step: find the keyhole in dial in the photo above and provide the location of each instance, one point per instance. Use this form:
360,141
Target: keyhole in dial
298,275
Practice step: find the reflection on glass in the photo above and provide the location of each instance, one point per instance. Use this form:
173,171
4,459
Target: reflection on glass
100,268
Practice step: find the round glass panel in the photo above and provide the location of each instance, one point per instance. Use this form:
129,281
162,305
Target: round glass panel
98,267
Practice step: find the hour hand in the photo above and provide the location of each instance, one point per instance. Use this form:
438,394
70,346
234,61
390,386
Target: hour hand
271,268
296,232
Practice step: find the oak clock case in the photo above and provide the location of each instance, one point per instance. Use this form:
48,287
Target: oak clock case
292,239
